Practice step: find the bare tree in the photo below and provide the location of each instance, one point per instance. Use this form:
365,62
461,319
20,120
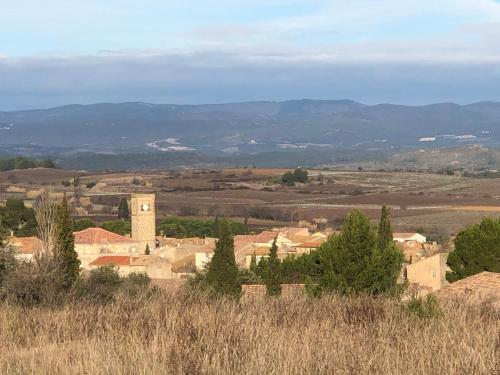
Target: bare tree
45,209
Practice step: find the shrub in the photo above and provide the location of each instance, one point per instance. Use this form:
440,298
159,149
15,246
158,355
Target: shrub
135,284
37,283
100,286
249,277
424,309
290,178
311,289
7,263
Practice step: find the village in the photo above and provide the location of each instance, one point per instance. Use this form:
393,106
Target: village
168,260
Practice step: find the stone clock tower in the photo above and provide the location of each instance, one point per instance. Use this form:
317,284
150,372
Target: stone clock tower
143,220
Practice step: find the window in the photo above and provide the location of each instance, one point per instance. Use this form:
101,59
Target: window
434,273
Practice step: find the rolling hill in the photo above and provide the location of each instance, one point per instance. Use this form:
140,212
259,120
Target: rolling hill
252,127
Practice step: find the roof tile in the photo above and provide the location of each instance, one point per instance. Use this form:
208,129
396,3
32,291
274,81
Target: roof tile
99,236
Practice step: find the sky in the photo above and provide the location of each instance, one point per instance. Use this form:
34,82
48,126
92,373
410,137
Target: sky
414,52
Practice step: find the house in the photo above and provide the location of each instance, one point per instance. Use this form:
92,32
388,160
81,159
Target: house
201,259
92,243
290,241
428,274
409,238
175,249
25,247
155,267
308,246
413,245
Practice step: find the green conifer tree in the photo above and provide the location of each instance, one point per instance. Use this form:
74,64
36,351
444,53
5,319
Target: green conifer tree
215,226
222,272
273,275
352,262
147,251
253,263
123,211
385,238
64,251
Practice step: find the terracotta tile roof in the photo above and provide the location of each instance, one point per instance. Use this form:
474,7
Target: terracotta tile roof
112,260
25,245
264,237
243,240
312,244
192,241
292,231
99,236
261,251
299,239
477,288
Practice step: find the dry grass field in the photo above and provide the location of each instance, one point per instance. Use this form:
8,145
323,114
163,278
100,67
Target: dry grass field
178,333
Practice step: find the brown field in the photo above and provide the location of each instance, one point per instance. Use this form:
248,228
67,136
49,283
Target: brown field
35,176
187,334
239,193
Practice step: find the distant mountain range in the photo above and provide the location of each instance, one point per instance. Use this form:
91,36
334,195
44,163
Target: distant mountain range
249,128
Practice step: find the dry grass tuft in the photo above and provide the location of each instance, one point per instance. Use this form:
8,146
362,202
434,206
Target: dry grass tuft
187,334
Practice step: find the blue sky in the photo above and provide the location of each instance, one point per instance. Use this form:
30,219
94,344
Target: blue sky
401,51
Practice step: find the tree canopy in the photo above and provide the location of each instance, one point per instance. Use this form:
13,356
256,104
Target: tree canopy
24,163
18,218
477,249
178,227
123,211
298,175
121,227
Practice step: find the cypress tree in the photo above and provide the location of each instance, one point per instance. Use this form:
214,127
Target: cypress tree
65,253
273,274
385,238
222,273
215,226
147,251
123,211
253,263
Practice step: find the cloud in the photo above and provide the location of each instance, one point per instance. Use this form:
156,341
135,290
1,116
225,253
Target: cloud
223,77
187,52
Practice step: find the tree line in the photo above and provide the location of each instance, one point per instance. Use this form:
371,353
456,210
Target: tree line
179,227
11,164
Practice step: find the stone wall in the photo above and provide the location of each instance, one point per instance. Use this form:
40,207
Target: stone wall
259,291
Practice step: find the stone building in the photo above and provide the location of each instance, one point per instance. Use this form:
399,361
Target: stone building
428,274
92,243
155,267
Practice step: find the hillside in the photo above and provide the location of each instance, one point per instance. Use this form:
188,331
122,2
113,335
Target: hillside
251,127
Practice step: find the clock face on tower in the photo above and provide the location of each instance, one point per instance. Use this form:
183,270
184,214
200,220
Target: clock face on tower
145,207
